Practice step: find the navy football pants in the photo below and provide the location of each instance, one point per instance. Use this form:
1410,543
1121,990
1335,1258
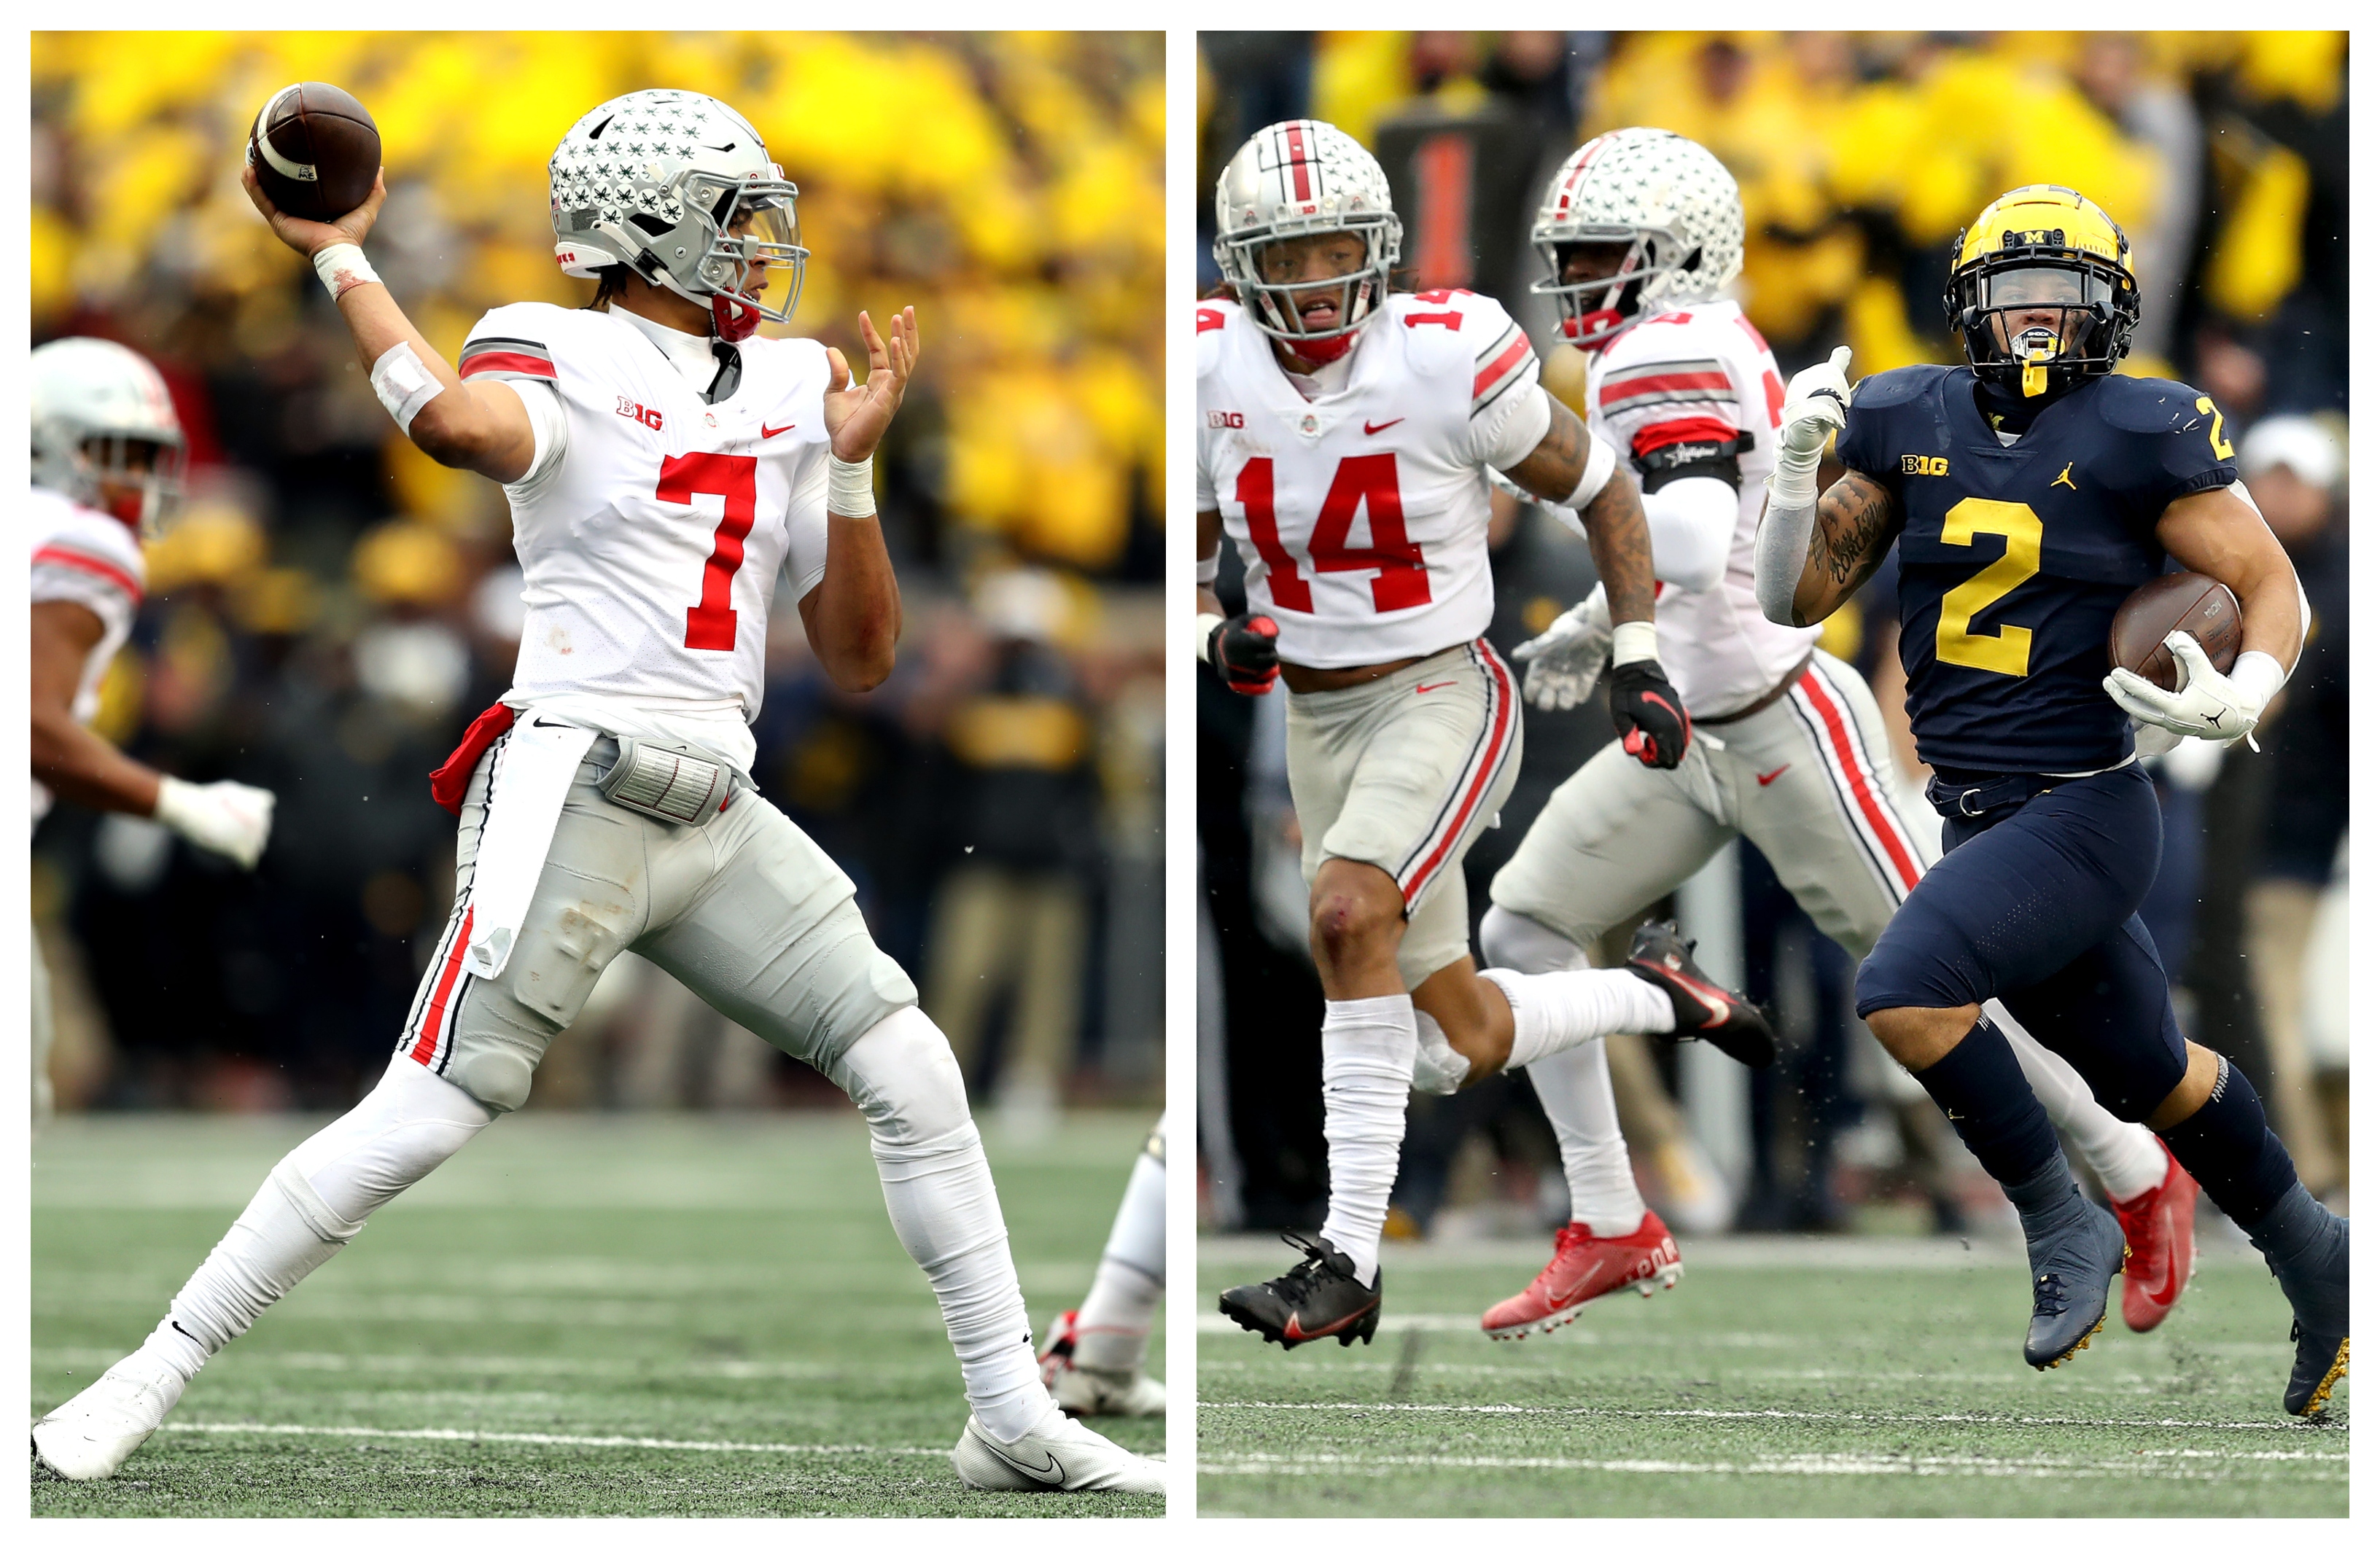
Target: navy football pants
2035,903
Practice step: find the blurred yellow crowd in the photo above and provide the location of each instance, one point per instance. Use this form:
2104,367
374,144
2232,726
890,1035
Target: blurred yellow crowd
1009,186
1914,132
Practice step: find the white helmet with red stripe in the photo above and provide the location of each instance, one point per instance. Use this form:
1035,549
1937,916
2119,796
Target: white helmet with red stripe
104,431
678,186
1668,200
1304,178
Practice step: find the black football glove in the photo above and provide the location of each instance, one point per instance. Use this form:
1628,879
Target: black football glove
1649,716
1243,655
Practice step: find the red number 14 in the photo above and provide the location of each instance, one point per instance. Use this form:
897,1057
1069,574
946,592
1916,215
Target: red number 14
1369,482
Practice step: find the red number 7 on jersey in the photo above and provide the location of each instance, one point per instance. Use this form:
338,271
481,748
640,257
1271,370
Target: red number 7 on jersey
710,625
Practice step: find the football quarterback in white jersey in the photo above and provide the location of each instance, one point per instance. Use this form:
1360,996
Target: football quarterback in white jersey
1347,439
663,463
107,460
1642,231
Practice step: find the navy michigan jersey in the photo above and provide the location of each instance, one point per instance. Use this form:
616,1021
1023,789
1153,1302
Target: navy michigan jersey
2014,558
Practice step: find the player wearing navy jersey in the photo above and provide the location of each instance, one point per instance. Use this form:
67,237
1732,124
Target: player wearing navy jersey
2028,493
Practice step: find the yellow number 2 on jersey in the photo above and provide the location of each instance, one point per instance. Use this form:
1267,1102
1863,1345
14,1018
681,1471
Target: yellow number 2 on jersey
2008,649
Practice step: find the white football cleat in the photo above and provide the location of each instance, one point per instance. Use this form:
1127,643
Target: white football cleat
1084,1390
1057,1453
90,1435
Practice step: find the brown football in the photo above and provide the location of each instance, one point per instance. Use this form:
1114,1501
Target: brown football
2199,606
315,149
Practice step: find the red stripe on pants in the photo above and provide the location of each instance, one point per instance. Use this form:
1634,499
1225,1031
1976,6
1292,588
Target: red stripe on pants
1870,805
426,1042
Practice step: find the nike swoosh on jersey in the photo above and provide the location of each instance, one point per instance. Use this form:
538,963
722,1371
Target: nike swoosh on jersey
1425,688
1372,429
766,432
1772,774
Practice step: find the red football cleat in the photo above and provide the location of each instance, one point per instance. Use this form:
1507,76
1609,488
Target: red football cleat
2160,1225
1584,1266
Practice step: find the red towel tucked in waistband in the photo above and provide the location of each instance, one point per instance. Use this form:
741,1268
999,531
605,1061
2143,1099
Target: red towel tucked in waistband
449,781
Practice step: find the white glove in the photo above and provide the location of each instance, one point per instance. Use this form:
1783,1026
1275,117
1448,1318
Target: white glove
1815,402
226,817
1567,661
2207,704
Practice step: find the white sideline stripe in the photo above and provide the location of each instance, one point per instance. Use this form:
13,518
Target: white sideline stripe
2243,1381
543,1438
1848,1417
1373,1463
495,1365
1579,1334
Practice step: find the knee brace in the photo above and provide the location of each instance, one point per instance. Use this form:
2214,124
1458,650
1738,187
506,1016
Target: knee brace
1515,941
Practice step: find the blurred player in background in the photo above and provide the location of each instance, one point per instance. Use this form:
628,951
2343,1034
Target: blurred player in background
1093,1359
1322,396
661,464
108,458
1642,231
2089,482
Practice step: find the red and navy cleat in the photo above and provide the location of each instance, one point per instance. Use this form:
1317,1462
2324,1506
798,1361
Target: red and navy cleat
1583,1267
1705,1010
2161,1228
1316,1300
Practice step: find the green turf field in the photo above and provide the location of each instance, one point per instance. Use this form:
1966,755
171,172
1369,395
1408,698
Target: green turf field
1852,1377
677,1316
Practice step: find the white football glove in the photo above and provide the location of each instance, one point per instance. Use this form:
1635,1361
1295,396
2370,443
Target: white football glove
1815,402
2207,705
226,817
1567,661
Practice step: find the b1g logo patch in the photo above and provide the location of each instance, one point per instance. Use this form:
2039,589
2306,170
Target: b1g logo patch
1937,466
649,418
1225,419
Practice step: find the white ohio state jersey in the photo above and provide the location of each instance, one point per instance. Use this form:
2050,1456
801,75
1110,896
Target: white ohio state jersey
88,558
649,551
1362,516
1704,373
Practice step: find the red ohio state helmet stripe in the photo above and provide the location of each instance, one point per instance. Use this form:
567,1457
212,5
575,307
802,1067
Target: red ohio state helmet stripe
1297,161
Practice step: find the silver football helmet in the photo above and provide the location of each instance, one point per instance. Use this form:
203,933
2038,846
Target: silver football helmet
678,186
105,430
1302,178
1669,200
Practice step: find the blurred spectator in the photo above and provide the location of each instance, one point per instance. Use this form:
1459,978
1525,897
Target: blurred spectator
334,606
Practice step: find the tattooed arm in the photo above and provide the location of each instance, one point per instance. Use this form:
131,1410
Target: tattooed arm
1614,517
1857,519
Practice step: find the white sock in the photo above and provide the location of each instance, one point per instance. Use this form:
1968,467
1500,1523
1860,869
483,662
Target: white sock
937,1190
2126,1156
1574,1087
1368,1060
1555,1011
314,1204
1111,1330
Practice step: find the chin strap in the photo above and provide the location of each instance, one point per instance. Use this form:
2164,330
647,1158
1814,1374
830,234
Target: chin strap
733,318
1322,352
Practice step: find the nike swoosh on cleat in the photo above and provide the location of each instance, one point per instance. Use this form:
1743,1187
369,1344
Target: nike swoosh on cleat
766,432
1718,1007
1053,1472
1293,1330
1372,429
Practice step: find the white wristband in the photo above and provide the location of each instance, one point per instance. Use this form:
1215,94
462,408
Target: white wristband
1211,567
851,486
403,384
2258,676
1601,464
1203,630
1632,641
1794,483
342,267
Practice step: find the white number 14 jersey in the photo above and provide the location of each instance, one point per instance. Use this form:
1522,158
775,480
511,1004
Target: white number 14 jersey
1362,515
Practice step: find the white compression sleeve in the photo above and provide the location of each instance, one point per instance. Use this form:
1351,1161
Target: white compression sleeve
937,1190
314,1203
1111,1330
1691,524
1368,1055
1574,1086
547,424
2127,1157
1779,554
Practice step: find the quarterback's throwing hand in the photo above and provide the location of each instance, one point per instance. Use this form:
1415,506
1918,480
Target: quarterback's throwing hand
1243,655
858,413
2207,705
1567,661
1816,403
1650,717
311,236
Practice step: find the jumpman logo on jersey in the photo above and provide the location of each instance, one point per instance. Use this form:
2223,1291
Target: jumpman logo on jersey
2064,477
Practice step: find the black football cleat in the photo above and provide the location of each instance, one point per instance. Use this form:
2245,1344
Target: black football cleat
2074,1258
2315,1283
1318,1298
1706,1010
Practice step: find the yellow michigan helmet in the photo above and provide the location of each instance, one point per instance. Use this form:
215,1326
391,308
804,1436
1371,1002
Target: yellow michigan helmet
2038,253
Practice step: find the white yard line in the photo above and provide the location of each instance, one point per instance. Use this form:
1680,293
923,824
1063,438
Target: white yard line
485,1365
1379,1465
1853,1253
1580,1334
545,1438
1845,1417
